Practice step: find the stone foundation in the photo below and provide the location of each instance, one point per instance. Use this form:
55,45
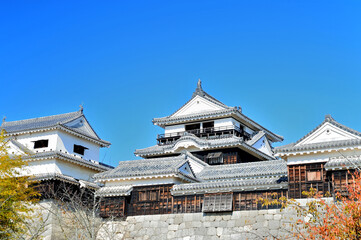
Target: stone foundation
257,224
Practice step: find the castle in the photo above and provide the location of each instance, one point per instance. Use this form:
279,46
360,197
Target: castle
210,158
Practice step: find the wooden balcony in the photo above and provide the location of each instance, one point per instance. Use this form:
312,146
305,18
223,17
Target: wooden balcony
207,133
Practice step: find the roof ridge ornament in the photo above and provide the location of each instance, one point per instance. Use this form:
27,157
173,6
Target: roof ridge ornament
199,91
81,108
328,118
4,119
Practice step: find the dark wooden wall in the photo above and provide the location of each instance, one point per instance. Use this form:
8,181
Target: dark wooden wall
305,176
158,200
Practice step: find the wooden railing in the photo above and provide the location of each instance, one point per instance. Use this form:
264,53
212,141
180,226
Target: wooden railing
211,132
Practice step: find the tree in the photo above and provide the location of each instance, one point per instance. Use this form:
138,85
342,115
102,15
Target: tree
75,213
16,194
328,220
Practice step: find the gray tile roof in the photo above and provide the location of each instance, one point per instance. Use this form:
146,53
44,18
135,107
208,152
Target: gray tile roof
336,163
324,145
229,112
232,141
122,190
68,157
21,146
244,170
41,122
56,121
65,178
318,146
229,186
147,167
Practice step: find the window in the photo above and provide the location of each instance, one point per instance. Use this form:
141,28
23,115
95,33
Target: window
148,196
79,149
41,143
218,202
314,176
208,125
192,127
215,158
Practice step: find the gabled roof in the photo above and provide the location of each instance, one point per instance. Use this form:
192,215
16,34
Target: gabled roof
244,170
60,121
221,111
200,92
300,146
157,167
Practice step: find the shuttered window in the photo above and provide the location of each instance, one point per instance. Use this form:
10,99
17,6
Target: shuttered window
215,158
218,202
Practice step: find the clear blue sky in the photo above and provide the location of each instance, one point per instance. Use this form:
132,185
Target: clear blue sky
286,63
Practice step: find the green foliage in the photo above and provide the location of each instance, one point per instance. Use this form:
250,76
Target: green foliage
16,196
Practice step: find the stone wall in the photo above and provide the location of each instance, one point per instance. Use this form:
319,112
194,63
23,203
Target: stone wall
256,224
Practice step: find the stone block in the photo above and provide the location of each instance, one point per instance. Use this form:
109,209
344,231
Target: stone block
154,224
219,231
188,217
170,220
182,226
253,213
260,218
200,231
171,235
150,231
240,222
207,224
231,223
268,216
190,224
211,231
223,224
197,217
273,224
178,220
173,227
226,217
277,217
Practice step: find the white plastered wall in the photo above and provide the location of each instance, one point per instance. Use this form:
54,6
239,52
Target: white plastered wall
320,157
65,143
28,140
53,166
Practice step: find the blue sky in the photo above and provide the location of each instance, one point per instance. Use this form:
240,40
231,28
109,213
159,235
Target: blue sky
286,63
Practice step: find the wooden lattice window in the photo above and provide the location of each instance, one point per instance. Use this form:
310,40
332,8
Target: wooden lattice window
215,158
218,202
314,176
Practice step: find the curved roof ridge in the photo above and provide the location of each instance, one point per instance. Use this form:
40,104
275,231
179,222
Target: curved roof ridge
67,117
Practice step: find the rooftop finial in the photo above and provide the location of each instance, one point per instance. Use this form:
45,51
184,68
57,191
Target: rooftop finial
199,84
4,119
328,117
81,108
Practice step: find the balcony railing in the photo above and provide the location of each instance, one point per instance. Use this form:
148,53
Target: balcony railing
208,133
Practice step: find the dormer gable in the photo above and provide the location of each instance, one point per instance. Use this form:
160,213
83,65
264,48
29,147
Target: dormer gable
82,125
328,131
199,103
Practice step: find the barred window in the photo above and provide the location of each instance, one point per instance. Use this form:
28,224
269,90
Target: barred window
218,202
